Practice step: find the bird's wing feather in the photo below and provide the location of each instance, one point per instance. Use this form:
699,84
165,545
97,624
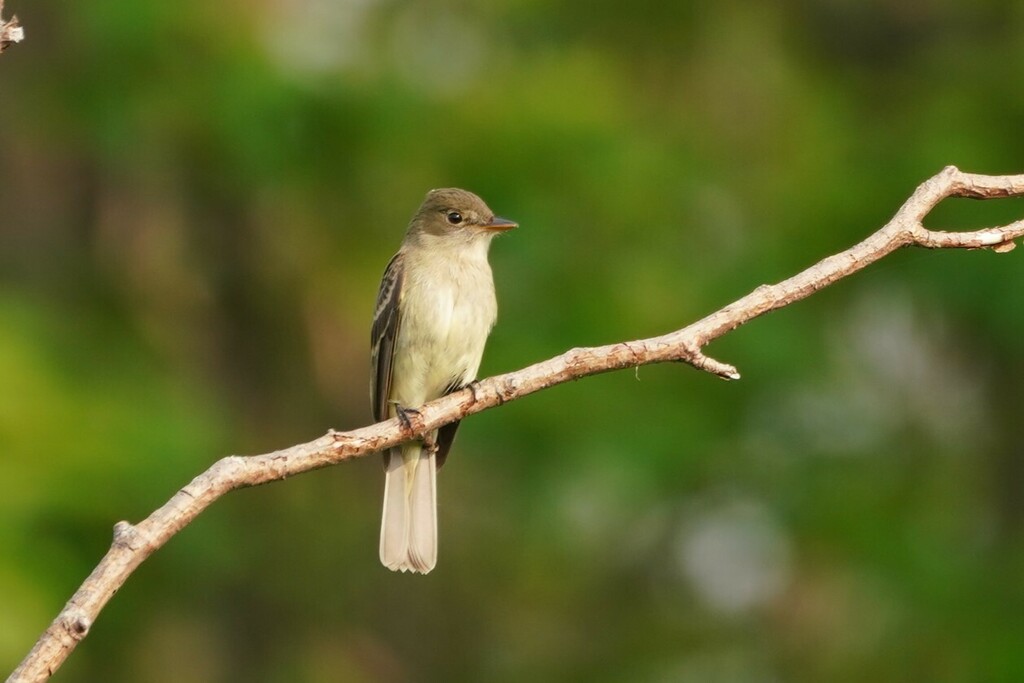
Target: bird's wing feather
445,437
386,323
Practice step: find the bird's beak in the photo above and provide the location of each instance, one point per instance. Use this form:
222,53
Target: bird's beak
497,224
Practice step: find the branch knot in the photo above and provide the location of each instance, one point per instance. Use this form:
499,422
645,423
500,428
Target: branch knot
76,624
129,536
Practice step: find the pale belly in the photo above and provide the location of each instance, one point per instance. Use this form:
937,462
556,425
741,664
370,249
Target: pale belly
442,336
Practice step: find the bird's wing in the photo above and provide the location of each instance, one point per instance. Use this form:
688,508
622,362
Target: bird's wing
445,438
384,335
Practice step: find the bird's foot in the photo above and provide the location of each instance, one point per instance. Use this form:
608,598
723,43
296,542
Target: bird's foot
404,416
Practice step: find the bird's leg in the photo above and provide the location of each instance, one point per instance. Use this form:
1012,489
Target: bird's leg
473,386
404,415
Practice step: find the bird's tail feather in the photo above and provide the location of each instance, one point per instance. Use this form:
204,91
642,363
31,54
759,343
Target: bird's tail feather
408,530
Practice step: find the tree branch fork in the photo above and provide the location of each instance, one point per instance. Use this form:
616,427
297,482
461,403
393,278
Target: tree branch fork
132,544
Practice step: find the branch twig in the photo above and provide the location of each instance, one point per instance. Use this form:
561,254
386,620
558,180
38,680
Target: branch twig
10,31
132,544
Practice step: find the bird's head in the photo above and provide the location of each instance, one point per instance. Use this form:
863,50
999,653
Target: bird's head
455,212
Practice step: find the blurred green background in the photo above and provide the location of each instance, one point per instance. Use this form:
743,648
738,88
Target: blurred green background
197,200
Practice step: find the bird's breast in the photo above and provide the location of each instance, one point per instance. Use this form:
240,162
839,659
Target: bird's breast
448,310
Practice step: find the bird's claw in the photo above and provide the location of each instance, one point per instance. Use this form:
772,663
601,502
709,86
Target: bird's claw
403,414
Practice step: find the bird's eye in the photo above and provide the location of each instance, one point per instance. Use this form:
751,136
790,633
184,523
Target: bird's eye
454,217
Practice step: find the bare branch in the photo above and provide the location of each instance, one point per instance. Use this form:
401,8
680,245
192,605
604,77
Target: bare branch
132,544
10,31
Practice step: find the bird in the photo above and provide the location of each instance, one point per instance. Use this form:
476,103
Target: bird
435,308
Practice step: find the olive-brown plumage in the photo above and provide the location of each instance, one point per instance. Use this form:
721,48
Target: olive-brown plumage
435,309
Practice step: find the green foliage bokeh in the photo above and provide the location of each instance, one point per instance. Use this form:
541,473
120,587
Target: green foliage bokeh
197,200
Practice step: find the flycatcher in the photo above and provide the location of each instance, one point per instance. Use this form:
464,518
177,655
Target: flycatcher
435,308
